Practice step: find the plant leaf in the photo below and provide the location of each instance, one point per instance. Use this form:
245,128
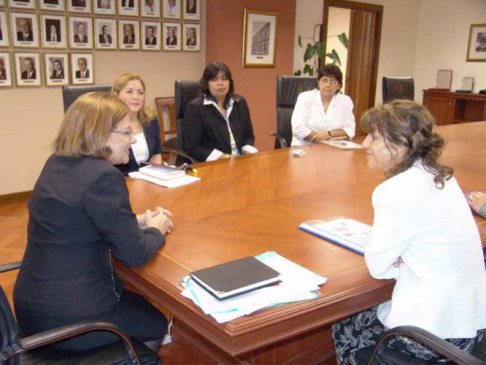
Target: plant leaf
336,57
319,49
299,41
307,69
309,52
344,40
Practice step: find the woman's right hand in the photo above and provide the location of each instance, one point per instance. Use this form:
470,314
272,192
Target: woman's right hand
160,219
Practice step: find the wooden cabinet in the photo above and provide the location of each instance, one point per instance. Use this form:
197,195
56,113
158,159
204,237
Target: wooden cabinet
452,108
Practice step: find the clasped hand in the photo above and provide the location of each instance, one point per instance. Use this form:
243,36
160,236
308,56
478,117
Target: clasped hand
159,218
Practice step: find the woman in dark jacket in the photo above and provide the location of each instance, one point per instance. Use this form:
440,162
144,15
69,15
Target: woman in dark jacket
79,217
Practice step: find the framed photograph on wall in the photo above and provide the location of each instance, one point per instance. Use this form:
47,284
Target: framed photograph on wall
5,70
171,9
105,33
151,36
2,3
259,38
150,8
172,36
476,49
81,33
82,68
4,41
191,10
79,6
129,34
54,5
56,69
127,8
54,31
104,7
24,30
22,4
28,69
192,37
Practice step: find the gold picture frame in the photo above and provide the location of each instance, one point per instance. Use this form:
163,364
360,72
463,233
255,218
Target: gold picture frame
259,38
476,48
56,69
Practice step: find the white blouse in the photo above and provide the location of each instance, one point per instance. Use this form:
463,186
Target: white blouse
309,116
441,284
140,148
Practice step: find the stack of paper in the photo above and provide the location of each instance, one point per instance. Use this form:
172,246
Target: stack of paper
172,183
297,283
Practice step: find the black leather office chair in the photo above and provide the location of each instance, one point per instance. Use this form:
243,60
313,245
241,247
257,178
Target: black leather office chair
71,93
288,88
185,92
33,350
382,355
398,88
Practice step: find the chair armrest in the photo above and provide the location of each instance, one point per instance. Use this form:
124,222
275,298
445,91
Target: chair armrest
179,153
282,142
10,266
429,340
65,332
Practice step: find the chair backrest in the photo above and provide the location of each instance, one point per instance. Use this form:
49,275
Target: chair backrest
398,88
168,137
185,92
71,93
288,88
8,325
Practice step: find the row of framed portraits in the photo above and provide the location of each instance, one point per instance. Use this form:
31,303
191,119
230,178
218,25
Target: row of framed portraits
170,9
57,69
105,33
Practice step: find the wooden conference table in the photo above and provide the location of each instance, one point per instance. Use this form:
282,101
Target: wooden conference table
252,204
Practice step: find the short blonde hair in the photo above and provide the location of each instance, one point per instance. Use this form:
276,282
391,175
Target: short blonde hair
87,125
145,115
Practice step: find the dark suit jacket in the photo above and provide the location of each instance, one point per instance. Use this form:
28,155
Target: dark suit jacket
126,40
30,36
152,136
25,75
154,41
205,129
3,75
102,39
52,2
55,77
48,38
79,215
80,3
130,3
171,43
78,74
77,39
191,42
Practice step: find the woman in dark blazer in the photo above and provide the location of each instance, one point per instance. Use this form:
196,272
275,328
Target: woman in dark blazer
79,217
130,89
218,124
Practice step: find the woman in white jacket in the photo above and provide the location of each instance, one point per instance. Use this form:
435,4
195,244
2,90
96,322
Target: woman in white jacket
424,236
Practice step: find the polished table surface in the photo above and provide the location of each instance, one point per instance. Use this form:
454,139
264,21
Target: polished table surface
252,204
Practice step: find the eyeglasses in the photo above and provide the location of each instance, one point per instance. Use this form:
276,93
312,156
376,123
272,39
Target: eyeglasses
328,81
129,132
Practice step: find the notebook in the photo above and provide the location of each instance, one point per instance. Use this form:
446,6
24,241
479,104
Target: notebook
162,172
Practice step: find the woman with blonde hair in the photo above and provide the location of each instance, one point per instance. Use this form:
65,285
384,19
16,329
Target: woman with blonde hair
79,217
130,89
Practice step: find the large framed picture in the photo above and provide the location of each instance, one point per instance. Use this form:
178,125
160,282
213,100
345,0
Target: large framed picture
150,8
128,7
4,41
82,68
105,34
79,6
81,33
192,37
28,69
105,7
5,70
172,9
259,38
192,10
476,49
22,4
151,36
56,69
24,30
172,36
54,5
54,31
129,34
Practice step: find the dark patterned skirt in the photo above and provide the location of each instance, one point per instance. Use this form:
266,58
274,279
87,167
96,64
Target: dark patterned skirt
355,337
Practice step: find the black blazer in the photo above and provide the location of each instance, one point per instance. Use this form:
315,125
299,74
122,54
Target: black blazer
101,39
30,36
152,136
79,215
78,74
205,129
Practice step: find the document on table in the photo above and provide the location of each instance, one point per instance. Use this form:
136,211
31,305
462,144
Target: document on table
297,283
173,183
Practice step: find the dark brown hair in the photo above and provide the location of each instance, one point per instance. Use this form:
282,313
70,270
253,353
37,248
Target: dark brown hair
406,123
331,70
211,71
